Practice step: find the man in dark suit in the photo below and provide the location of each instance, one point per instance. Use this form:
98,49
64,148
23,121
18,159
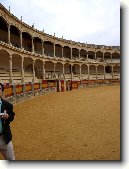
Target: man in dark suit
6,116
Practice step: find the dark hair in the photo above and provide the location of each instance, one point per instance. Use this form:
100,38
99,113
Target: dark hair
2,87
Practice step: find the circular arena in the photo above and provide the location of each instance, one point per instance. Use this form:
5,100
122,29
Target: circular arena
66,94
80,125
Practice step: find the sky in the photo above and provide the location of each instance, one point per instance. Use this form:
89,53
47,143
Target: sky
86,21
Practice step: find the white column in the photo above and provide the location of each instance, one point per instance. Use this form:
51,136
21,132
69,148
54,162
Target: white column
32,44
112,72
42,47
10,68
88,72
71,73
33,71
103,56
54,70
80,72
22,68
104,72
87,56
111,57
21,39
43,71
54,49
79,53
63,71
96,72
71,54
95,55
8,34
62,52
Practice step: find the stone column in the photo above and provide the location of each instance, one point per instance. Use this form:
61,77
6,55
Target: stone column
87,56
79,53
42,48
54,50
71,73
112,71
43,71
96,71
71,54
8,34
54,70
111,57
104,72
62,52
88,71
103,56
22,70
21,39
10,69
32,44
33,71
80,72
95,55
63,71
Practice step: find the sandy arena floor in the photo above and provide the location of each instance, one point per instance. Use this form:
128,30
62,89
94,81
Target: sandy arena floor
79,125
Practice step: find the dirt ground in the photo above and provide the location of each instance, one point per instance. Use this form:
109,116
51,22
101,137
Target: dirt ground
82,124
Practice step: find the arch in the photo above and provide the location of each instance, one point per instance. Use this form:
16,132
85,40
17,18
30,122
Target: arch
75,53
107,55
48,48
100,71
115,55
91,54
92,71
27,41
67,52
4,66
58,50
99,55
37,45
83,54
3,30
14,36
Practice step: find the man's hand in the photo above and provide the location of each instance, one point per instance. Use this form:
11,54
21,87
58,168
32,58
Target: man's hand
5,116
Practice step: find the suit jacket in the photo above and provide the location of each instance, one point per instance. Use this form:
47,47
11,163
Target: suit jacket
5,123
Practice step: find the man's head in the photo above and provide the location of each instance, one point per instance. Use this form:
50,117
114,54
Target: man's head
1,90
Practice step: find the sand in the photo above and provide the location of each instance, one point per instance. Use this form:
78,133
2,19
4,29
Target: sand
81,124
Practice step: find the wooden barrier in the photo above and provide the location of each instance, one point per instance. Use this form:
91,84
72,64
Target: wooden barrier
8,91
28,87
36,86
75,84
92,82
44,84
19,89
62,85
85,82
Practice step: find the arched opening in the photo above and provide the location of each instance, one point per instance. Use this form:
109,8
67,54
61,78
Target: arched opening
58,51
4,66
83,54
3,30
99,56
75,53
67,52
107,56
48,48
37,45
14,36
27,41
91,55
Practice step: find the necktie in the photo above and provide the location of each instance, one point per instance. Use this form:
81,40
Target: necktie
0,118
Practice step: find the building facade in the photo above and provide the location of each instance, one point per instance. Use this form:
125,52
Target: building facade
30,55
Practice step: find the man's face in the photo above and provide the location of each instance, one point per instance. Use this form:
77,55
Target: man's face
1,93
